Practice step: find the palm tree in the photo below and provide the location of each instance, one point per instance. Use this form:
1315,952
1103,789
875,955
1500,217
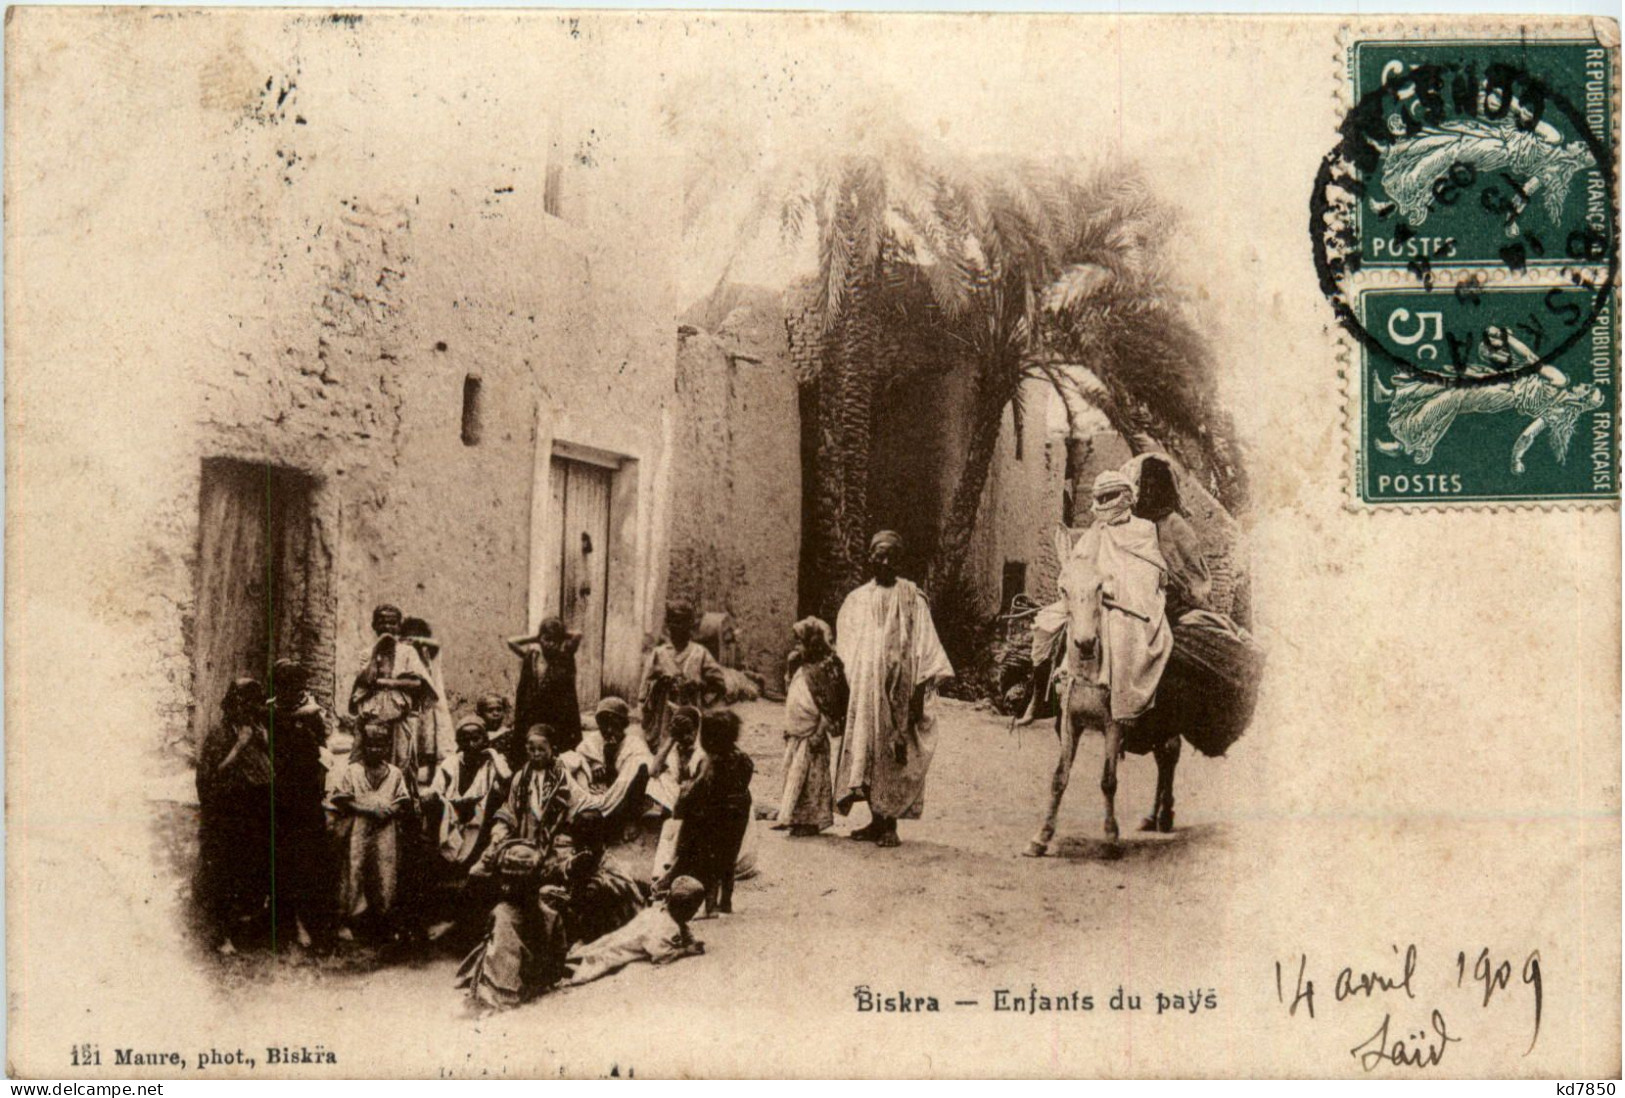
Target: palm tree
871,200
1127,343
1068,285
1014,272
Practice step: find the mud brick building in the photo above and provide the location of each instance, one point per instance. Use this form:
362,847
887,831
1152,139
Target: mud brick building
340,368
736,484
919,453
744,448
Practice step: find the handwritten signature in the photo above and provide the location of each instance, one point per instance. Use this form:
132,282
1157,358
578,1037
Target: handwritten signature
1422,1053
1488,976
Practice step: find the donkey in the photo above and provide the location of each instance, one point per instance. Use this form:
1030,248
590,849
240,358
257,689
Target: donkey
1084,709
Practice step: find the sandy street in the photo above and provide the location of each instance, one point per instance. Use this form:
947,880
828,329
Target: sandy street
956,897
1247,880
825,915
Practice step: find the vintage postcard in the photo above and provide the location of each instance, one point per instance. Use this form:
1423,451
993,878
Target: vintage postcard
548,544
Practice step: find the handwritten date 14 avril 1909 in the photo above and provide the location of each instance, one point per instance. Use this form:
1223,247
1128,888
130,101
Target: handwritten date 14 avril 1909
1487,979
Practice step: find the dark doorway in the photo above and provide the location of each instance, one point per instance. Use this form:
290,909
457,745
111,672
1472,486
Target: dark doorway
257,579
1014,583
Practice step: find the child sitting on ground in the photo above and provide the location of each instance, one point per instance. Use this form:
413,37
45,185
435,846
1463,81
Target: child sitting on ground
492,710
658,934
468,787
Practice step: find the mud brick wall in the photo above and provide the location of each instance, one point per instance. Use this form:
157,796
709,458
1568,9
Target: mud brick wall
736,475
290,276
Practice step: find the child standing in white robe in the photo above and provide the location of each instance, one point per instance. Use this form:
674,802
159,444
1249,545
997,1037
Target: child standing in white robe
370,803
814,712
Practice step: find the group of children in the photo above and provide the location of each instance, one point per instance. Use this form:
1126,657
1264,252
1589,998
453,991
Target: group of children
388,844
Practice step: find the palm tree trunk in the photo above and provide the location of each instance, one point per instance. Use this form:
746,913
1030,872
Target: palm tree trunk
953,541
811,398
826,563
846,434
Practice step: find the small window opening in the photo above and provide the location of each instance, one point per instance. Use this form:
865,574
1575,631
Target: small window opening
473,407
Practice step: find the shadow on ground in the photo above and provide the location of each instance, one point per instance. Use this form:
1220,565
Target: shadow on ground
1136,846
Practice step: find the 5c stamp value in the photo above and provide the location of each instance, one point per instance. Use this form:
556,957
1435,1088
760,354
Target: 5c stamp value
1483,397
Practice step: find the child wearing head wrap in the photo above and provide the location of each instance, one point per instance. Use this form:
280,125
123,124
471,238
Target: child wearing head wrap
612,767
468,786
814,712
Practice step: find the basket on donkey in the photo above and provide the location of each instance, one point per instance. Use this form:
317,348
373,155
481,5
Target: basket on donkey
1210,687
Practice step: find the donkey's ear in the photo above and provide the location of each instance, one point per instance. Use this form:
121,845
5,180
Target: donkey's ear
1063,543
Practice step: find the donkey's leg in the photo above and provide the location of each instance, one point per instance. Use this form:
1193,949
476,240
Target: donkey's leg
1067,734
1149,823
1108,775
1167,760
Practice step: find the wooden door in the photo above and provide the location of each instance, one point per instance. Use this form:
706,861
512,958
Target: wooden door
253,578
581,494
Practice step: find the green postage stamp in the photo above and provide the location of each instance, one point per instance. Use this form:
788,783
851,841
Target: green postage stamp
1502,168
1466,234
1481,397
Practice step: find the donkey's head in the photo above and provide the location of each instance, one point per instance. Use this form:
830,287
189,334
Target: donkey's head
1079,584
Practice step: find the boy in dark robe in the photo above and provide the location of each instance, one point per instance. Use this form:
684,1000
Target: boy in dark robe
234,798
547,683
715,812
298,736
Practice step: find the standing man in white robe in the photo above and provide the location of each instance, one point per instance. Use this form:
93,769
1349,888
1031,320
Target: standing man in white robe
894,663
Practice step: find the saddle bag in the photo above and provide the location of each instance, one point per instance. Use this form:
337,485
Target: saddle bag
1212,680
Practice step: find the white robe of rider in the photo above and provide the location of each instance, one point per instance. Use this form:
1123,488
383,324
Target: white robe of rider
1134,639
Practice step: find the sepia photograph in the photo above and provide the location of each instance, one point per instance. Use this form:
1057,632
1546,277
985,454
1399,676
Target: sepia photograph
799,545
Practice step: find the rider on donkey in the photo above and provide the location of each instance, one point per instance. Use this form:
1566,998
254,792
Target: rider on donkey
1125,549
1132,632
1148,660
